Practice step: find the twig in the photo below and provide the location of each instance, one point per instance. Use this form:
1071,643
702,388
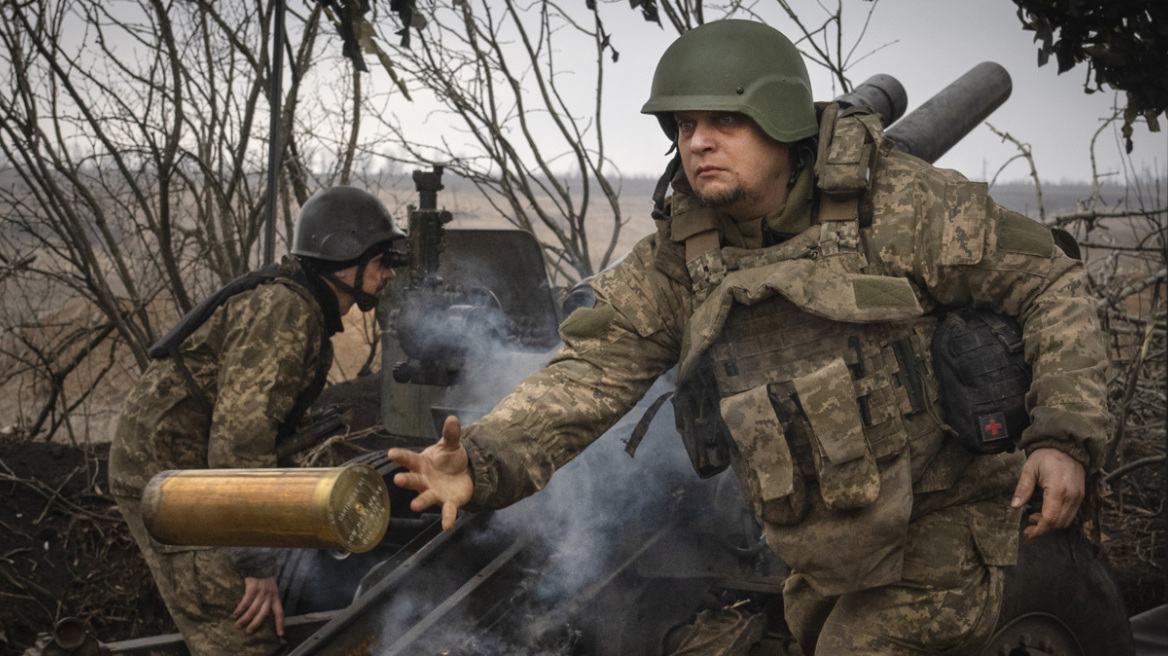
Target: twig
1130,387
56,493
1092,216
1132,466
70,507
1024,150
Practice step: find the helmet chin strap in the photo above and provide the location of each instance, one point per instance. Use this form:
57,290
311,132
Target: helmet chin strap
365,301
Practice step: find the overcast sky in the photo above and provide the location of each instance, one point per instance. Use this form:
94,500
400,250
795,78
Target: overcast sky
925,44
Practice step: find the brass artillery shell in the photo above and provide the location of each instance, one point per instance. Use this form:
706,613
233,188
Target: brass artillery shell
317,508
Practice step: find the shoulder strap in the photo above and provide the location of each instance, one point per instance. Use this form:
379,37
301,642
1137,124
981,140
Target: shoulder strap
170,344
851,141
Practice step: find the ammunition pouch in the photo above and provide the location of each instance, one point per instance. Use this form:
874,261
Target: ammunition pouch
983,379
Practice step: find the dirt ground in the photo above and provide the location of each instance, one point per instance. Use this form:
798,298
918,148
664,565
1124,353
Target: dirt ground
64,551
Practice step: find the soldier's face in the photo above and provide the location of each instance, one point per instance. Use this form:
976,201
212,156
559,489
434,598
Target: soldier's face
377,276
731,164
373,281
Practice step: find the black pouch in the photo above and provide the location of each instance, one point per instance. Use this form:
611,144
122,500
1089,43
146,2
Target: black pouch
699,421
982,379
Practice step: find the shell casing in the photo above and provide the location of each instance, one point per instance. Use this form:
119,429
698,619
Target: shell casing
315,508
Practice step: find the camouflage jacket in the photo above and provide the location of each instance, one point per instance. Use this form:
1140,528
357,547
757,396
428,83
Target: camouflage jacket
252,360
982,255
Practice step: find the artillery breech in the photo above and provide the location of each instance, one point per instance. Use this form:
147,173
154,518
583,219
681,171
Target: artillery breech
316,508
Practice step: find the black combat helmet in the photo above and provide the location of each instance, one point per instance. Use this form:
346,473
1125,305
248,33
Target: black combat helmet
735,66
340,224
339,227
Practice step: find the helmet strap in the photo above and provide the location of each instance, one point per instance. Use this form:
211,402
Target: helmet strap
663,186
802,155
365,301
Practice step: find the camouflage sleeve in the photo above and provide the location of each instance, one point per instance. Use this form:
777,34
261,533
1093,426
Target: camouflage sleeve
970,251
268,358
612,353
255,562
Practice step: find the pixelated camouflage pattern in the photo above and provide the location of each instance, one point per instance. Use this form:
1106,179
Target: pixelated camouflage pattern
201,588
252,359
599,375
762,443
1047,292
946,602
843,551
930,232
846,469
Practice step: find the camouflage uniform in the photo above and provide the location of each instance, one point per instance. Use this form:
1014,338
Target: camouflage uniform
896,536
252,359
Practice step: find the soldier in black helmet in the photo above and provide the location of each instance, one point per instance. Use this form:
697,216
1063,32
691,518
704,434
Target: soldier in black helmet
231,379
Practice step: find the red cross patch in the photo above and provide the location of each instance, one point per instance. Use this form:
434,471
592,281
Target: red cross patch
993,427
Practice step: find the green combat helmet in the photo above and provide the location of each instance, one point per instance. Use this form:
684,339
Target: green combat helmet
735,66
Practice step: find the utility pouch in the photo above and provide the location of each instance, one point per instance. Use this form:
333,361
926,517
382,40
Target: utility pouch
847,471
982,378
703,432
775,483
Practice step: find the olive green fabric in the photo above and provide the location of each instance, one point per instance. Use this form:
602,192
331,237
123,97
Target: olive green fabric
1019,234
735,66
587,322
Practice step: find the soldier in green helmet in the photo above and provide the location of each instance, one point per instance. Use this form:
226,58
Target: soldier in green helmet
232,379
795,279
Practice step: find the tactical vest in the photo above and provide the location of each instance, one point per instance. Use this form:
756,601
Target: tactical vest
170,344
823,374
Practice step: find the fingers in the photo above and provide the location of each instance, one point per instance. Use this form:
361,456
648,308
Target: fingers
249,594
260,597
449,514
415,482
406,458
258,613
451,432
1060,504
1063,483
439,474
1025,488
424,500
278,615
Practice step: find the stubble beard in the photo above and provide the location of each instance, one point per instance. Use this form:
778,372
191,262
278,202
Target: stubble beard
724,198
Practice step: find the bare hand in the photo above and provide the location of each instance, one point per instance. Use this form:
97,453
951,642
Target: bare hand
1063,483
260,596
439,474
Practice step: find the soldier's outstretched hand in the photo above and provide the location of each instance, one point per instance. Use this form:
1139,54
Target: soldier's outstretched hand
439,474
1063,482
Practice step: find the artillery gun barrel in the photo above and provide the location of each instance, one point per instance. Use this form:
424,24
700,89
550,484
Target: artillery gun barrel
930,130
317,508
880,93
